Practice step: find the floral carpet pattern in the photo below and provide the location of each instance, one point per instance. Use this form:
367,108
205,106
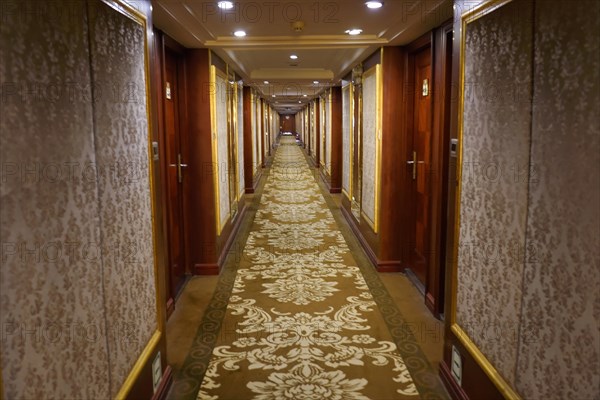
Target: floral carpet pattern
301,322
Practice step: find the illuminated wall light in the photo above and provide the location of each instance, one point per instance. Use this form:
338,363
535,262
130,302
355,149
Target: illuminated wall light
374,4
225,5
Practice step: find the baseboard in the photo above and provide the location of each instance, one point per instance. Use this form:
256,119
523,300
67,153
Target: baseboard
165,384
232,234
170,307
415,281
206,269
389,266
335,190
380,265
456,392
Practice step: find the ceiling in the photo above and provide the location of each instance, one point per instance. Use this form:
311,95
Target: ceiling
325,52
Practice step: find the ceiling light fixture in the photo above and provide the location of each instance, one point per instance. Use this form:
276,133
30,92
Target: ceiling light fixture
374,4
225,5
294,57
354,31
305,95
274,95
239,33
266,82
316,82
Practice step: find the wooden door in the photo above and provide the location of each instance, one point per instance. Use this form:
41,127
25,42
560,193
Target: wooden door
175,173
288,123
420,164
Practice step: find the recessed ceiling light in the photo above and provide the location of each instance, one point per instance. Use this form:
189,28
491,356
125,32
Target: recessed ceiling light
316,82
274,95
300,102
294,57
374,4
225,5
354,31
266,82
239,33
305,95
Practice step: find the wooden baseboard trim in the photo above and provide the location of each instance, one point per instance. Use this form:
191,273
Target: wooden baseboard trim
380,265
456,392
350,219
165,384
170,306
206,269
389,266
232,235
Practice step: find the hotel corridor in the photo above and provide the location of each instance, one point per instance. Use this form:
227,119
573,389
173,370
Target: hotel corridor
299,199
303,320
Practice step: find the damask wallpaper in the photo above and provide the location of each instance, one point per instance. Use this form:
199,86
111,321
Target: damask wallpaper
255,138
240,139
121,142
559,345
52,309
77,279
369,145
528,268
222,148
328,132
346,138
497,119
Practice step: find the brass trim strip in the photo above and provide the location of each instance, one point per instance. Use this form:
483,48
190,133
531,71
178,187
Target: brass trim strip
139,365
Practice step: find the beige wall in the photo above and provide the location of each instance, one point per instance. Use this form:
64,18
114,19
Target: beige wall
77,276
528,267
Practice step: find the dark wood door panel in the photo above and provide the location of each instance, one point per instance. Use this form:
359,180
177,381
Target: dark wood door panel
422,163
172,144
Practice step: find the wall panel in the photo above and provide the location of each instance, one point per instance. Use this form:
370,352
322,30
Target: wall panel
44,212
527,305
240,139
221,148
121,140
78,295
559,345
347,146
370,144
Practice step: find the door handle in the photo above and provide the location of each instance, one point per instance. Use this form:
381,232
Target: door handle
413,162
179,166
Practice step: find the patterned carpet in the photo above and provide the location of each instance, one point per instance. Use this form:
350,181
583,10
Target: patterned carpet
295,317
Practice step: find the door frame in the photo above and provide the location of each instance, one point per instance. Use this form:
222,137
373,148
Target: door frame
441,65
167,43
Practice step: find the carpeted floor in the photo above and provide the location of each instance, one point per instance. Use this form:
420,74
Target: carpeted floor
293,315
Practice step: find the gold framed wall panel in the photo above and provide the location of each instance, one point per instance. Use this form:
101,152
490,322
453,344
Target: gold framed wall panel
371,146
348,139
131,369
221,118
240,139
502,385
322,120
